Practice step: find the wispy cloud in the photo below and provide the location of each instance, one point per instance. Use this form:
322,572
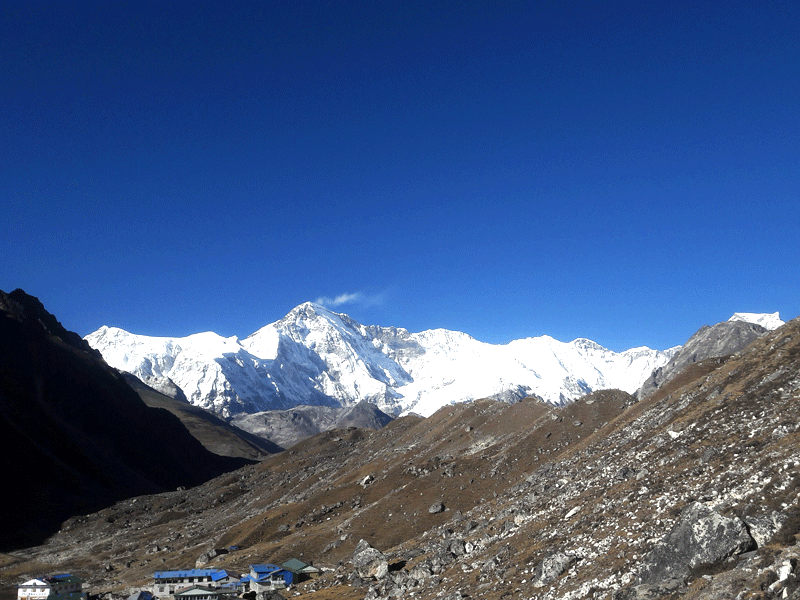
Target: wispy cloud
359,298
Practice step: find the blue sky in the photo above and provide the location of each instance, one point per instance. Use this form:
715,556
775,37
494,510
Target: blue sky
623,171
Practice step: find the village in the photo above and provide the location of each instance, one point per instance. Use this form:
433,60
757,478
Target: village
259,583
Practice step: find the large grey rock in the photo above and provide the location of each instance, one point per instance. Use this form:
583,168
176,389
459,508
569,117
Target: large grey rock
457,547
547,571
718,341
207,557
421,572
368,562
701,537
763,528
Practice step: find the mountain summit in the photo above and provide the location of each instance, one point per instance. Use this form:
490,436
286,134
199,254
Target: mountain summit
768,321
314,356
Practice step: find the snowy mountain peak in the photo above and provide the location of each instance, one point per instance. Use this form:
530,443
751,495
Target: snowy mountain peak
307,310
766,320
315,356
587,344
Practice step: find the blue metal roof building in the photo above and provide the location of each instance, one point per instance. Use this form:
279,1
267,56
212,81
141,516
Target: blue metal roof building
257,570
166,583
187,573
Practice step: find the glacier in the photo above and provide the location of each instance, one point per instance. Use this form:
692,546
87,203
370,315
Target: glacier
318,357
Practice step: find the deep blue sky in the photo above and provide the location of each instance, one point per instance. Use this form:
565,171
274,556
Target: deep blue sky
623,171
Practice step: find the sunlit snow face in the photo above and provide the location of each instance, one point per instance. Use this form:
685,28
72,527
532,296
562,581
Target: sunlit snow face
315,356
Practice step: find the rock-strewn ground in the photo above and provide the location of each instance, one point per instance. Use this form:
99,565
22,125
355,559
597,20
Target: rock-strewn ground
689,493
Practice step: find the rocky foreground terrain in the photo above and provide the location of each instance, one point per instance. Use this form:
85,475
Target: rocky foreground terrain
691,492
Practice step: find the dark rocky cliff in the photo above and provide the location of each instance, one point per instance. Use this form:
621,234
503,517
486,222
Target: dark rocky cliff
74,437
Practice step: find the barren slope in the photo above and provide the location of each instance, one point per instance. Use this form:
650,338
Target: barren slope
586,501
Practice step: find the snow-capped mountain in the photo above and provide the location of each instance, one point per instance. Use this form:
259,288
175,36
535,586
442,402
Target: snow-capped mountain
768,321
318,357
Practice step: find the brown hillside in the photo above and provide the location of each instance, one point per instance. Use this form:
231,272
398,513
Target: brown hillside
595,488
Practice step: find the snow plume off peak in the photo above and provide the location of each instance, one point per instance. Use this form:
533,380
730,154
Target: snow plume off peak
359,298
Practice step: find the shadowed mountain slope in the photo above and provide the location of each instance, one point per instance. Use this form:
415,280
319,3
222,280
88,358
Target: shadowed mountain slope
75,437
215,434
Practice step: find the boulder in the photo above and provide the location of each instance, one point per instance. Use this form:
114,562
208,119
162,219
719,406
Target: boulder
702,537
421,572
457,547
764,527
553,565
207,557
436,507
368,562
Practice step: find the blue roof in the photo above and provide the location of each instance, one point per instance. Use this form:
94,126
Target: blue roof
187,573
268,576
219,575
265,568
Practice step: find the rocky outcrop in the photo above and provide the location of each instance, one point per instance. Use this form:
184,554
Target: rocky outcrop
207,557
701,538
552,567
368,562
287,427
718,341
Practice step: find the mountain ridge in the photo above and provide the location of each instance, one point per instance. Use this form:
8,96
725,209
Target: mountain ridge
315,356
709,342
287,427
